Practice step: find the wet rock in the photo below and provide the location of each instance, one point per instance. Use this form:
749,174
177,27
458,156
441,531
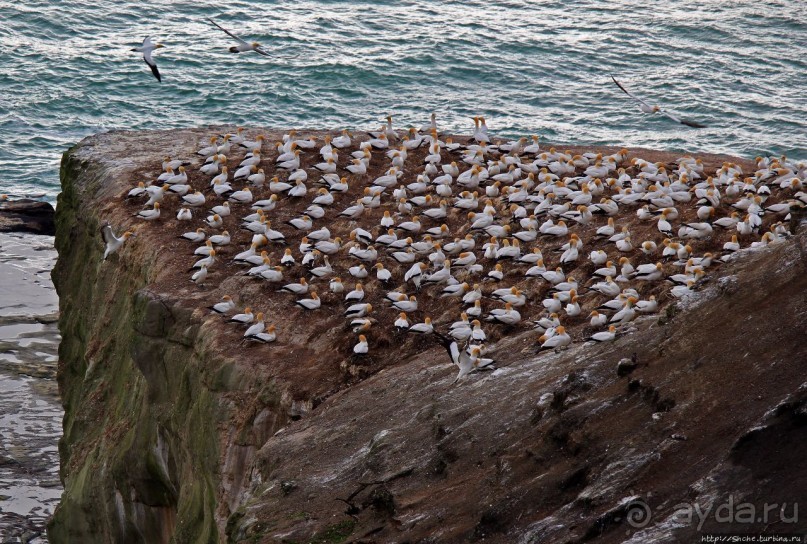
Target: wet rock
26,215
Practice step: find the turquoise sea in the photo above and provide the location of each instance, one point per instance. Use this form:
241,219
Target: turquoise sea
740,67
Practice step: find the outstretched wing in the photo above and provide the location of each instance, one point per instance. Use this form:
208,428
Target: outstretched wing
108,235
239,40
153,65
451,347
261,51
686,122
630,94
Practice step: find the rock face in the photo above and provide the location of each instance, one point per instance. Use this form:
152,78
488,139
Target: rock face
26,215
174,433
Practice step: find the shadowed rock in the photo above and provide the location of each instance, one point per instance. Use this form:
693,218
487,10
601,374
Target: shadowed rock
26,215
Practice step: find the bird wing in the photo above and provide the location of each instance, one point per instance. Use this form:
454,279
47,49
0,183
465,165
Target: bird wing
686,122
147,42
239,40
450,345
151,64
106,232
261,51
627,92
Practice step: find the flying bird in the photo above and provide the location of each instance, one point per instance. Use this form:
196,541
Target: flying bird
243,46
647,108
113,243
147,48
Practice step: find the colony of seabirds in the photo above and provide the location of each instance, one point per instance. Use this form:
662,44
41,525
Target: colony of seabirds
523,217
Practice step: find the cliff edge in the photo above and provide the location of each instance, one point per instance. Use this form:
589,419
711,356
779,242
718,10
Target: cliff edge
174,432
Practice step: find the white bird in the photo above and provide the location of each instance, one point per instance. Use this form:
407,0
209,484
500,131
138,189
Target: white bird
358,310
558,340
150,215
246,317
243,46
267,336
256,327
309,303
113,243
604,336
647,108
147,48
361,348
401,323
199,276
300,288
422,328
226,305
194,236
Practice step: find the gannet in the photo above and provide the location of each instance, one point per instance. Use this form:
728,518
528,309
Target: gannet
194,236
243,46
508,315
647,108
199,276
356,295
422,328
147,48
680,291
150,215
358,310
246,317
267,336
137,191
256,327
342,141
287,259
401,323
113,243
361,348
475,310
627,313
205,249
597,319
336,286
272,275
329,247
214,221
558,340
309,303
382,274
604,336
224,307
353,212
300,288
649,272
406,305
647,306
244,196
206,262
157,194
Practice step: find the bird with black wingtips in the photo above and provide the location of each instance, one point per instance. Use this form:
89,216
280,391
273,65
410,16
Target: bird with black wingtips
147,49
647,108
243,45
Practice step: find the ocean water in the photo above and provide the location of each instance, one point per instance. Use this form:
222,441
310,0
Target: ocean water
739,66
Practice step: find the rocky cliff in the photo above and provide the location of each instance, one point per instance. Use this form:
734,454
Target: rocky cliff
174,432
